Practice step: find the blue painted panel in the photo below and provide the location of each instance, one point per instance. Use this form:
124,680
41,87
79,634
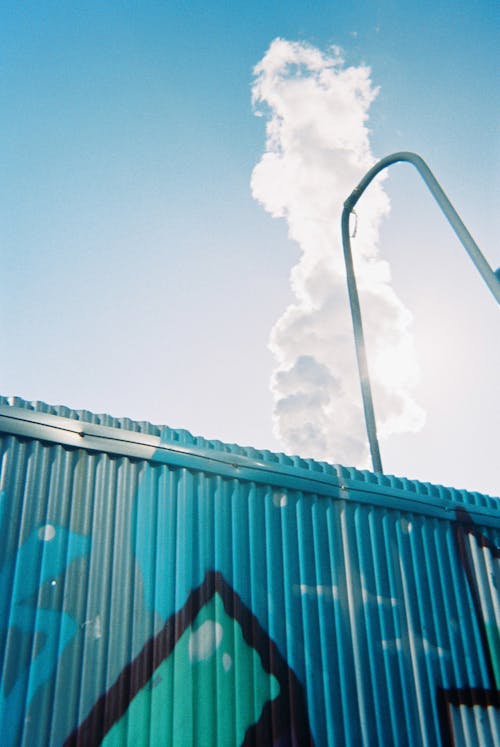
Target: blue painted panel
334,615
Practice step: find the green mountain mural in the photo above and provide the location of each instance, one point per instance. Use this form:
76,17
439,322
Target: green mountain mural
208,691
211,676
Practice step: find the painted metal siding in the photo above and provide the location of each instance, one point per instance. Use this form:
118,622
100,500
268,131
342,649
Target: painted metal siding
162,589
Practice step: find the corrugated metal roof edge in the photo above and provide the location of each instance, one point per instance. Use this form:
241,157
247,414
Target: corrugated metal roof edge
160,443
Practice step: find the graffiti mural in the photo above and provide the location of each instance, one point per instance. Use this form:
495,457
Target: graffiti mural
480,559
211,676
146,603
41,561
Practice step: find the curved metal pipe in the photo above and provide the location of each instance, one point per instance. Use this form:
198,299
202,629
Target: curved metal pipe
489,277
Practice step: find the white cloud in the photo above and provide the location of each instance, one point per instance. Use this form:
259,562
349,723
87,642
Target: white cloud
317,149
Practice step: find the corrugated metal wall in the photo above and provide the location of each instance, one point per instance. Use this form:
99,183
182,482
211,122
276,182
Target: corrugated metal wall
161,589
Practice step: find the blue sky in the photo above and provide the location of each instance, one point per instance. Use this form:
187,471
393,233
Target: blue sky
140,277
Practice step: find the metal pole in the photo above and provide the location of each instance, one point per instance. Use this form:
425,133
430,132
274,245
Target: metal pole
490,278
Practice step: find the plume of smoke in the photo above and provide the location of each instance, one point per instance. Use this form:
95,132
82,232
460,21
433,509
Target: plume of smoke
317,149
